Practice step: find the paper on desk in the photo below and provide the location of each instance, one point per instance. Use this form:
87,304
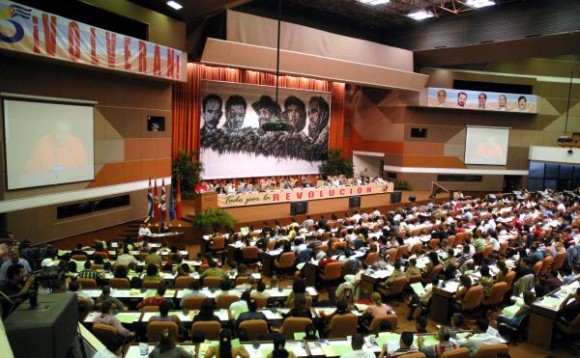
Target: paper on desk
361,307
428,340
334,350
315,348
271,315
510,311
418,288
300,265
391,339
126,317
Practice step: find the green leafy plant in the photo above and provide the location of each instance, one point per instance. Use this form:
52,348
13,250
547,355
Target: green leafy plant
336,165
403,185
214,219
189,168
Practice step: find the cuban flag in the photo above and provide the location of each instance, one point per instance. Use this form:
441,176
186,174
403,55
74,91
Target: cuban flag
155,200
163,201
150,200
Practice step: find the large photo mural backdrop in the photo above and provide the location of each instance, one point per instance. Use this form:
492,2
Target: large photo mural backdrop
235,144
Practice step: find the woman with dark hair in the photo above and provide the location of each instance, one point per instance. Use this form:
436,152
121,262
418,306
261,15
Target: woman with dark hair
121,272
166,347
206,312
279,350
299,309
225,349
152,274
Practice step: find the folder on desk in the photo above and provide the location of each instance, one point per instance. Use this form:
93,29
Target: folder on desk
418,289
392,340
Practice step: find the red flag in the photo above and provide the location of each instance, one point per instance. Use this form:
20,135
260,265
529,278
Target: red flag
179,207
150,200
156,203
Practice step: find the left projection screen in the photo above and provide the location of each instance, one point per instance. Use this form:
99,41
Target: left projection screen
47,142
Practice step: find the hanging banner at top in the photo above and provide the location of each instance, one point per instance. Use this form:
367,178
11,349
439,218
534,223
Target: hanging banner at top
27,30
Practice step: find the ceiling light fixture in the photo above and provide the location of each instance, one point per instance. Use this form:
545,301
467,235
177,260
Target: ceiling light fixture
175,5
420,15
374,2
477,4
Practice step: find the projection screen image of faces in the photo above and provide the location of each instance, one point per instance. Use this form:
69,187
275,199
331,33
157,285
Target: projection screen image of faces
234,142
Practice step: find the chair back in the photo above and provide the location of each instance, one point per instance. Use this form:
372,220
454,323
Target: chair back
212,281
193,302
286,260
271,244
538,268
255,328
392,254
182,282
343,325
434,273
250,253
210,329
376,322
559,260
402,251
462,352
119,283
97,266
150,309
101,254
261,301
472,298
459,238
415,355
332,271
503,246
218,243
509,278
372,258
156,328
87,283
498,290
224,301
292,325
396,287
546,265
104,332
491,350
79,257
434,244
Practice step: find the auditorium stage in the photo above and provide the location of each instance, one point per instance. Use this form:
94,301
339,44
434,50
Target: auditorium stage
258,213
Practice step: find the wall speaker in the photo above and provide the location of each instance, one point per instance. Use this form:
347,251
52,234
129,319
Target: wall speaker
354,202
396,197
412,198
298,207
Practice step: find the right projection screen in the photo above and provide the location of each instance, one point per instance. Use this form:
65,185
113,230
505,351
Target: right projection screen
486,145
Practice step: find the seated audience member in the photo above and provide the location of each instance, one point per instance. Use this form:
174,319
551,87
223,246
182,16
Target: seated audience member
397,272
206,312
357,342
14,259
422,301
486,280
522,312
457,324
194,290
153,258
163,316
298,286
78,290
570,311
435,350
421,324
240,306
464,285
90,273
166,347
341,309
299,307
106,317
15,288
412,269
260,291
117,305
251,314
405,347
157,299
279,350
152,274
551,282
376,308
213,270
125,258
225,349
479,338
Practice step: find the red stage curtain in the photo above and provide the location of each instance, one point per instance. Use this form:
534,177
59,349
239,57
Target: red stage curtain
187,101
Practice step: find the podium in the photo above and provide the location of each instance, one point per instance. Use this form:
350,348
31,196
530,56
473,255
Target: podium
205,201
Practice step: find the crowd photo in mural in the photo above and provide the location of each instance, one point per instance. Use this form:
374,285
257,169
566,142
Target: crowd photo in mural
246,133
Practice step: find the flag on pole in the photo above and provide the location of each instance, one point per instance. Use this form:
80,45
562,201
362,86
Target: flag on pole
179,207
150,200
155,200
163,202
172,199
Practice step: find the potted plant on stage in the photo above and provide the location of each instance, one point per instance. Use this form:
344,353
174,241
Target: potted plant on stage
214,219
335,164
189,169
